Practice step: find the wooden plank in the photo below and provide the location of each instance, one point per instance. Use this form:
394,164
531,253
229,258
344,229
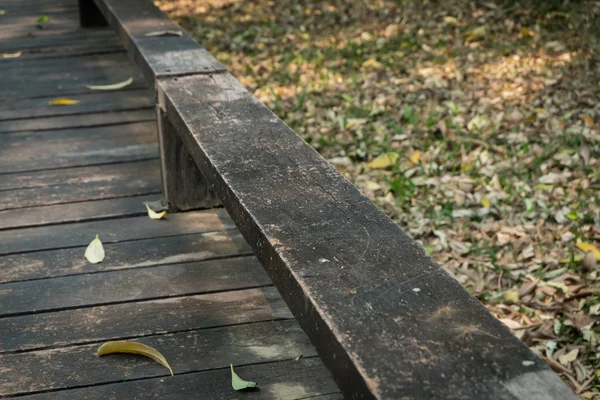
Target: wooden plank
60,186
65,76
128,285
156,55
184,186
30,43
29,109
388,321
111,231
127,175
289,380
193,351
138,253
74,212
77,120
144,318
26,151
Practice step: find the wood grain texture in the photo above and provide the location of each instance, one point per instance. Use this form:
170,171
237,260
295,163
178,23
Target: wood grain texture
74,212
25,151
60,186
65,76
30,110
184,186
159,55
24,240
142,318
285,380
138,253
130,285
388,321
200,350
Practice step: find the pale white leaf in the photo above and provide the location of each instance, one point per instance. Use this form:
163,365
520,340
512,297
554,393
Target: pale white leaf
95,252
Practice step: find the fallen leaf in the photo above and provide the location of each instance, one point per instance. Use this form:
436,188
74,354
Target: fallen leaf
511,296
451,21
2,12
583,246
238,383
114,86
154,215
590,262
415,157
133,348
95,252
62,102
384,161
569,357
588,120
42,19
485,202
12,55
372,63
164,33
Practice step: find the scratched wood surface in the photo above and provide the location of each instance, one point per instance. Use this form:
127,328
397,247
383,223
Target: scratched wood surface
188,285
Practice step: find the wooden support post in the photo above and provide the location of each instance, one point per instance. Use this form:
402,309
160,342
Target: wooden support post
184,186
89,14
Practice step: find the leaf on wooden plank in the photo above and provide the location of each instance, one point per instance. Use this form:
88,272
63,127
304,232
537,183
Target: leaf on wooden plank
133,348
12,55
163,33
2,12
42,19
384,160
62,102
238,383
415,157
583,246
95,252
114,86
153,214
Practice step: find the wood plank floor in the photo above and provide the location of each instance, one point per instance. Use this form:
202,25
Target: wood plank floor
188,285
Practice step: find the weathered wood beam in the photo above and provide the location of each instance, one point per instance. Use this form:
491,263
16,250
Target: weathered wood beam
387,320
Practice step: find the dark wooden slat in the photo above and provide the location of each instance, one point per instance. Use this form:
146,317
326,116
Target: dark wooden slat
27,151
388,321
139,253
124,174
74,212
143,318
29,41
30,110
70,185
131,284
111,231
76,121
184,186
286,380
186,352
65,76
160,55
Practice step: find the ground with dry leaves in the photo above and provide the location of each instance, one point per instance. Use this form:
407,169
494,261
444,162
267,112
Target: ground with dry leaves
487,117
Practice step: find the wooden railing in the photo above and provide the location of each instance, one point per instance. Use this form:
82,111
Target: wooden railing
387,320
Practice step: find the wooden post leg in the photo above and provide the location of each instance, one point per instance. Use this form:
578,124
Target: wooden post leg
184,186
89,14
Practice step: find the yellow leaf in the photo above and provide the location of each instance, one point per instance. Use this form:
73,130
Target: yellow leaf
466,167
485,202
415,157
384,160
114,86
585,247
511,296
62,102
451,21
154,215
372,63
95,252
133,348
12,55
589,121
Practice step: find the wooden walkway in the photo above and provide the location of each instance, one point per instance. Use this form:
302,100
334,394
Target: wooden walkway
188,286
